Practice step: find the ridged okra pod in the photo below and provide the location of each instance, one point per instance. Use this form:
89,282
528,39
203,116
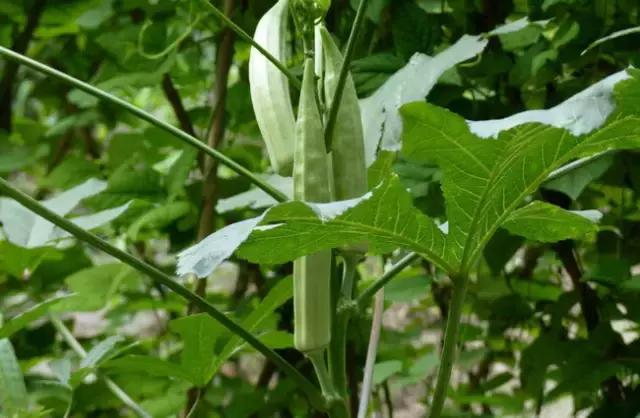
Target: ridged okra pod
347,151
312,273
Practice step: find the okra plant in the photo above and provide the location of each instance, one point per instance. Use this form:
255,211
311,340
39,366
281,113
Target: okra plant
468,213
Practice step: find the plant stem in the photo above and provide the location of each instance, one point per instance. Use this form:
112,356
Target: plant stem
365,298
338,346
245,37
111,385
177,132
372,351
158,276
344,72
448,354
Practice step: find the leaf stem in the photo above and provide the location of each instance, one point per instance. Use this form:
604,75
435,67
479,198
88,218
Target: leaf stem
177,132
365,298
80,351
245,37
338,346
160,277
317,360
448,354
344,72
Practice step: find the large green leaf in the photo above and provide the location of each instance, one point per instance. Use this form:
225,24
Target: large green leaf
485,180
385,219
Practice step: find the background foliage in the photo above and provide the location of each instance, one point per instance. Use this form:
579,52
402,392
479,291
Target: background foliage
546,326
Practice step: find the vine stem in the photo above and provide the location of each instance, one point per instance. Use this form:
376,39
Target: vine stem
160,277
247,38
447,357
372,351
344,72
177,132
111,385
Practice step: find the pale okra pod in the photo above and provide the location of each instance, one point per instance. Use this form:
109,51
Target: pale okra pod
270,89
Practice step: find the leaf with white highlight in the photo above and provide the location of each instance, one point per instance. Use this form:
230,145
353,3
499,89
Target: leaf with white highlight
26,229
580,114
203,258
257,198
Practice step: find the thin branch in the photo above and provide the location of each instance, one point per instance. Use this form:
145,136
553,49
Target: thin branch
372,351
111,385
206,225
11,69
124,105
344,72
158,276
575,165
245,37
173,96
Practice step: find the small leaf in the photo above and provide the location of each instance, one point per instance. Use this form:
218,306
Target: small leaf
13,396
148,365
94,286
25,228
94,358
540,221
385,369
20,321
281,292
159,217
199,334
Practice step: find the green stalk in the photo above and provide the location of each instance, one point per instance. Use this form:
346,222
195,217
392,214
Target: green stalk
158,276
447,357
178,133
111,385
344,71
245,37
338,345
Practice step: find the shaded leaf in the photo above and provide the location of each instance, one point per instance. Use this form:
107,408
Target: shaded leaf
540,221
